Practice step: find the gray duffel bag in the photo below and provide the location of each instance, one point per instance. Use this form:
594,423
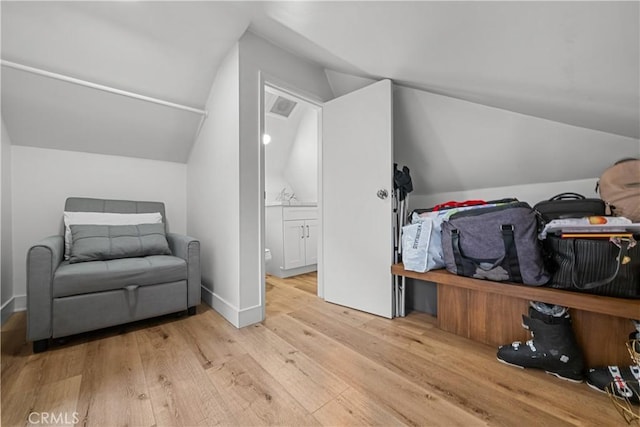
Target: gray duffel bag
497,243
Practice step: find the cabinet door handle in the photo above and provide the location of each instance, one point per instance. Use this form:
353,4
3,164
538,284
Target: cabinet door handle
302,226
307,231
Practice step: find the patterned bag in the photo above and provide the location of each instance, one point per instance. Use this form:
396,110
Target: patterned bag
609,267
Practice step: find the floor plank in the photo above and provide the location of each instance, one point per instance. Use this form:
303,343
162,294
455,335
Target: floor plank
308,363
15,350
501,382
352,408
179,389
241,382
403,398
113,385
310,384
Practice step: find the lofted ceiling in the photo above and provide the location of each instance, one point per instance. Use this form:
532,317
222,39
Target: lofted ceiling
165,50
570,62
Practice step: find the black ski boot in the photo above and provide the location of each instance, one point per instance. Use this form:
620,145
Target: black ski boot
553,347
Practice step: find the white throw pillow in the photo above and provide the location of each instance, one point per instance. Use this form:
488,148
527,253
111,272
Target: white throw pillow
104,218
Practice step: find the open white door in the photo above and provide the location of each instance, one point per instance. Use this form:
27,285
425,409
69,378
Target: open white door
357,186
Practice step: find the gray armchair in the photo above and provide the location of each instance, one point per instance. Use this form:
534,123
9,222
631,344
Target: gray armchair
66,298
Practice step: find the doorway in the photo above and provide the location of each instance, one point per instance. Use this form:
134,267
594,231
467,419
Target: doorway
291,145
355,146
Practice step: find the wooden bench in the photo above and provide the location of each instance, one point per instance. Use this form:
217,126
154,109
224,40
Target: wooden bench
491,313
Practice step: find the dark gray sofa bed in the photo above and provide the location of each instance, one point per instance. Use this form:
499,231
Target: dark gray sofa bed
66,297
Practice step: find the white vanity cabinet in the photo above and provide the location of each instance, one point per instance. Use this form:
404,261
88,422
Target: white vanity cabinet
292,236
300,242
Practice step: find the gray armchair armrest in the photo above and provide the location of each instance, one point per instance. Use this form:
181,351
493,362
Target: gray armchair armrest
43,259
188,249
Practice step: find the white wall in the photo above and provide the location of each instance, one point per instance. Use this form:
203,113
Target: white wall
275,183
458,150
291,159
530,193
6,254
454,145
213,192
283,132
42,179
301,169
295,74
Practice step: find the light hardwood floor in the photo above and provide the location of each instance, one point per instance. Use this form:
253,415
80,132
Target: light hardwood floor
309,363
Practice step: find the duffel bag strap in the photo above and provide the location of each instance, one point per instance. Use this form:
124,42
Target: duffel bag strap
511,253
464,265
623,250
468,266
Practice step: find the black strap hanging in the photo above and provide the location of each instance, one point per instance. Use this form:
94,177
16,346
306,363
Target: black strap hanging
402,181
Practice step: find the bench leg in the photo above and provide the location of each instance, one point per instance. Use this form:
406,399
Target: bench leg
403,301
40,346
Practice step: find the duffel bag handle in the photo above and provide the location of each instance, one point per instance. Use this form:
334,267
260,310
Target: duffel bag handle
468,266
568,196
623,250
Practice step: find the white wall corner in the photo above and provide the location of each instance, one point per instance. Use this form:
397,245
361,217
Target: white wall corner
291,73
8,308
221,306
13,305
238,318
342,84
6,220
249,316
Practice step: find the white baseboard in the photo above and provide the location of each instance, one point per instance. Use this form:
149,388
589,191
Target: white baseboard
14,304
238,318
8,309
219,304
206,296
249,316
21,303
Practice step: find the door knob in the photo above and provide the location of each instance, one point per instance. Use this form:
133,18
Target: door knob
383,194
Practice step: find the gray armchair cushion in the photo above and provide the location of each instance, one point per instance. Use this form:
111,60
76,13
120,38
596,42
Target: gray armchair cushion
99,276
105,242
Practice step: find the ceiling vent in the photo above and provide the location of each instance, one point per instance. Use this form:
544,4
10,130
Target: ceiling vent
283,106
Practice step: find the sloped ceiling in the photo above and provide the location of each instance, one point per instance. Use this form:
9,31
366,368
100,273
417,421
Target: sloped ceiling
165,50
570,62
282,131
